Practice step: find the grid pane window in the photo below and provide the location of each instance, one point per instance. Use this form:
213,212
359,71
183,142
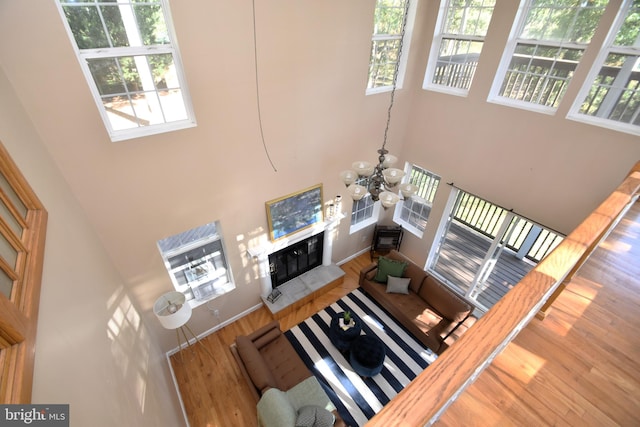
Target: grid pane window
126,51
614,93
364,212
413,213
547,49
386,42
462,27
196,262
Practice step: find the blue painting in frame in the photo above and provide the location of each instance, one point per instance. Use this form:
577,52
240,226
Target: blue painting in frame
294,212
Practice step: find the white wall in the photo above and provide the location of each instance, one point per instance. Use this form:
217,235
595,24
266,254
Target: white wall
94,350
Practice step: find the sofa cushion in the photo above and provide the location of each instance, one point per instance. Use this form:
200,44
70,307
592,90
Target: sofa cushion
275,409
266,338
287,367
415,273
314,416
389,267
310,392
398,285
255,365
443,300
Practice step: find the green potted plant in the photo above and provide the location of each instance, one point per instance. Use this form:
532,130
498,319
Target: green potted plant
347,317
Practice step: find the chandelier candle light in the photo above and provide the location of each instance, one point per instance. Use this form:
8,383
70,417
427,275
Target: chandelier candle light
379,180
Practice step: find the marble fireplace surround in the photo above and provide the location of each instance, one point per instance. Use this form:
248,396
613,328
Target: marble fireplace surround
305,286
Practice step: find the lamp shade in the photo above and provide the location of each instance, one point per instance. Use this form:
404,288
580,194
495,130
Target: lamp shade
362,168
407,190
389,160
172,310
356,191
348,177
388,199
393,175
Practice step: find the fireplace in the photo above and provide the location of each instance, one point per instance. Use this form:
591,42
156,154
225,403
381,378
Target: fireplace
295,259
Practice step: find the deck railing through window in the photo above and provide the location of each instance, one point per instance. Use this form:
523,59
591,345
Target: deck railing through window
456,70
485,218
544,81
626,105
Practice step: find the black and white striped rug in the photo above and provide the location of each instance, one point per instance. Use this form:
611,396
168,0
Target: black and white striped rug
357,399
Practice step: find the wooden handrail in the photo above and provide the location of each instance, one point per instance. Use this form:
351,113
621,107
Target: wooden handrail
427,396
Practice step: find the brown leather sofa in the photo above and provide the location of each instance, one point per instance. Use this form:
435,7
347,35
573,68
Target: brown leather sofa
429,310
268,360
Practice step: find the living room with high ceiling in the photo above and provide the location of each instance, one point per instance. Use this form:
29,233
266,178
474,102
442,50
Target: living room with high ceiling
279,102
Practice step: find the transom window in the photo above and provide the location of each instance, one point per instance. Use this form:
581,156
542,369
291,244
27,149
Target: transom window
127,52
197,264
460,32
413,213
386,42
546,45
611,96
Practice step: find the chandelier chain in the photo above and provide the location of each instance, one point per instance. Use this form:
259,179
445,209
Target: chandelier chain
255,58
396,71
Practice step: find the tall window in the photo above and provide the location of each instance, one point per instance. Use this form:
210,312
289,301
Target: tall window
385,44
23,224
413,213
127,52
546,45
611,96
364,212
197,264
482,250
460,32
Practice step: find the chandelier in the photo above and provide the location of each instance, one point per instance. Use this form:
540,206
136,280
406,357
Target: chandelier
381,180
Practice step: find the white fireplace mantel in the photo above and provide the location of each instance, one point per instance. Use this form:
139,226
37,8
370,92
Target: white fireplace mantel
262,250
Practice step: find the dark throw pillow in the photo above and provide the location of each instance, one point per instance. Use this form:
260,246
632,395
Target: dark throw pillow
389,267
314,416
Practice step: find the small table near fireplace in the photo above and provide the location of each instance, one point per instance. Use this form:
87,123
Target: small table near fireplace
342,337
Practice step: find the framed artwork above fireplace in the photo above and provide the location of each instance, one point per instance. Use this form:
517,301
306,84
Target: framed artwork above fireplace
294,212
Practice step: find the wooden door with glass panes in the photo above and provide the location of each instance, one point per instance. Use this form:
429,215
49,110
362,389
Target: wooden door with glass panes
23,222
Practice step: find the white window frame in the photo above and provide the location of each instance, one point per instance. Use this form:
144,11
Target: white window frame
608,48
400,206
138,53
514,40
368,220
209,283
432,64
406,41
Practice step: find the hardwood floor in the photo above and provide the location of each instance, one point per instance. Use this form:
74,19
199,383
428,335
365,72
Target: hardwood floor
213,391
579,366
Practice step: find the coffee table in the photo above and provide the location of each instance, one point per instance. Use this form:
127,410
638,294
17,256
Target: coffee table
342,338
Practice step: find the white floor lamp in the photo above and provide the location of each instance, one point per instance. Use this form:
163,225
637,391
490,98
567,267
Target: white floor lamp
173,312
